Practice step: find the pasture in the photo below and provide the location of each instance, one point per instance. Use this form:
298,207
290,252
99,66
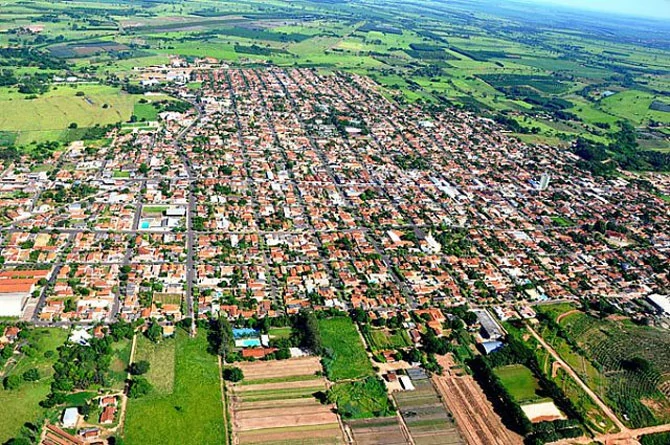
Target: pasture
48,116
186,392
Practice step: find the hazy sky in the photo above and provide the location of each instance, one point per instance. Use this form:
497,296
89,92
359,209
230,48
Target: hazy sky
650,8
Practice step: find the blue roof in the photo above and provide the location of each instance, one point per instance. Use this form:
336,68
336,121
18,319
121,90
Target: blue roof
244,332
490,346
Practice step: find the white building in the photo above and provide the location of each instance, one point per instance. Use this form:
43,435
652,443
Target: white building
11,304
70,418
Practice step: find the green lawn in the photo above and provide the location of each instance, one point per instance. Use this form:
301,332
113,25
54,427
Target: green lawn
145,112
345,356
280,332
121,174
520,382
192,411
22,405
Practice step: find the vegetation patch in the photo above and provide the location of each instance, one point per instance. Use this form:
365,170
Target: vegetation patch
344,353
361,399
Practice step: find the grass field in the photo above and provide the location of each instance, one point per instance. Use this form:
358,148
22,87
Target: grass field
169,416
520,382
347,357
161,358
145,112
22,405
48,116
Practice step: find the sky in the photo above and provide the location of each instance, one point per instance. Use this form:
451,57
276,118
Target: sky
645,8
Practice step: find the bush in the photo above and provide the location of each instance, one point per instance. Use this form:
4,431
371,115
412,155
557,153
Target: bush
139,368
31,375
233,374
12,382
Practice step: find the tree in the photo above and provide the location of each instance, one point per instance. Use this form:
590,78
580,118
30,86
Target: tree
31,375
12,382
221,337
73,125
306,329
139,386
233,374
144,168
139,368
154,332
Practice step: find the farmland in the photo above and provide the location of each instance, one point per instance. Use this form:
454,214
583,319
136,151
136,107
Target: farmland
181,371
276,403
473,413
564,82
427,419
377,431
627,365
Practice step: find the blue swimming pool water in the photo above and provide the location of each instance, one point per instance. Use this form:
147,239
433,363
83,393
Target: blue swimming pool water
144,225
250,342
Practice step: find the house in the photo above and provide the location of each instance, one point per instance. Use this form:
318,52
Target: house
257,353
108,414
89,433
11,334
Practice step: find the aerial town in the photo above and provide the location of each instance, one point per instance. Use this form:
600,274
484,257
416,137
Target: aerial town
285,189
279,192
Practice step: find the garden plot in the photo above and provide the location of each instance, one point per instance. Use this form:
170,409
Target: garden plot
276,404
379,431
428,421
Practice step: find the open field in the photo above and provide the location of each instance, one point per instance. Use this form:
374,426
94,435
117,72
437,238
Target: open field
22,405
345,354
47,117
381,339
187,394
520,382
275,404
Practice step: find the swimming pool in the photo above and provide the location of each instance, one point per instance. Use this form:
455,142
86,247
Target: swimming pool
145,225
247,342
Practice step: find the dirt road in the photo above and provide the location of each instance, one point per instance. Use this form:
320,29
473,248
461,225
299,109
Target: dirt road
606,409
